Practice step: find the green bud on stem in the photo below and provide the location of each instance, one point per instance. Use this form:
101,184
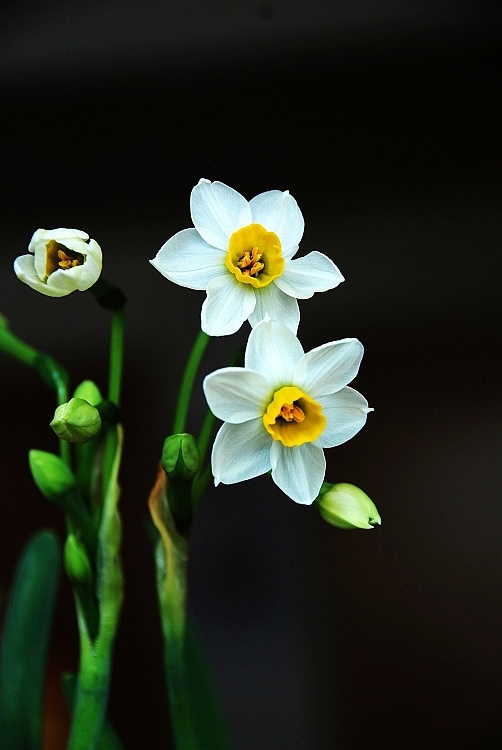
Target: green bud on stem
89,391
347,507
76,560
51,475
180,457
181,462
76,421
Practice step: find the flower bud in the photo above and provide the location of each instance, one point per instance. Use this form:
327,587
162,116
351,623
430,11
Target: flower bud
51,475
76,421
76,560
59,262
180,457
348,507
89,391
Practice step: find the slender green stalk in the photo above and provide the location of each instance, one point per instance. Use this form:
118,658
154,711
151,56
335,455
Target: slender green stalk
116,356
187,382
173,618
171,562
95,654
206,433
49,370
200,485
114,386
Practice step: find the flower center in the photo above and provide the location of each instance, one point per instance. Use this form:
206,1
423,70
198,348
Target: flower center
293,417
58,256
254,256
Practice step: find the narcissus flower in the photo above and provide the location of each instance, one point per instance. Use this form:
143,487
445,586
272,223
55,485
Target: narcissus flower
241,254
283,408
60,261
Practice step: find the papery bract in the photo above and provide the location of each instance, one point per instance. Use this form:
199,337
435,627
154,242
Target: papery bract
241,254
283,408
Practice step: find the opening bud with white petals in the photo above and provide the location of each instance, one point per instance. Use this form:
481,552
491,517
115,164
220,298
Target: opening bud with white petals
59,262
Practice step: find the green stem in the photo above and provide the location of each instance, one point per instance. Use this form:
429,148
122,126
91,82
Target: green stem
49,370
116,356
200,485
206,433
95,654
173,617
187,382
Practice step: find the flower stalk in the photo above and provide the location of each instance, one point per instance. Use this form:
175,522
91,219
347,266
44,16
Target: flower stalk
91,694
172,561
187,381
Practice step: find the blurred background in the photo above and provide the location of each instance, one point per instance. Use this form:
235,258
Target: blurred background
383,120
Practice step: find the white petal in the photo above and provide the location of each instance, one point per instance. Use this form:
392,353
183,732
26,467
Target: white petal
274,303
229,303
45,235
304,277
278,212
88,273
187,260
24,268
298,471
218,211
240,452
329,367
273,350
346,413
62,282
236,395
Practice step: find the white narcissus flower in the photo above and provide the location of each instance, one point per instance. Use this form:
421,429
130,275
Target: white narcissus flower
282,408
241,254
60,261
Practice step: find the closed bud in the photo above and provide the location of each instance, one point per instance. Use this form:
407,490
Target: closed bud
76,421
348,507
180,457
52,476
89,391
76,560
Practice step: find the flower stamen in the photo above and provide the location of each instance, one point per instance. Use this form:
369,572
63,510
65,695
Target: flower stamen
250,262
293,417
58,256
66,261
292,413
254,256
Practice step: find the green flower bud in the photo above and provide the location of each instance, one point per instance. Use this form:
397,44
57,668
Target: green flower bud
77,565
180,457
348,507
52,476
89,391
76,421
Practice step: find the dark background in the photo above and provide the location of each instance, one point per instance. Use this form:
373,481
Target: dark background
382,119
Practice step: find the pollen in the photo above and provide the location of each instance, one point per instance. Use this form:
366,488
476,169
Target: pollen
293,417
58,256
292,413
65,261
250,264
254,256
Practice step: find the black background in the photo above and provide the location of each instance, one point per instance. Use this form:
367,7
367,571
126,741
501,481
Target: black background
382,119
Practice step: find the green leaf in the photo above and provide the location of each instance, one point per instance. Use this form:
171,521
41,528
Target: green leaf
25,643
210,726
